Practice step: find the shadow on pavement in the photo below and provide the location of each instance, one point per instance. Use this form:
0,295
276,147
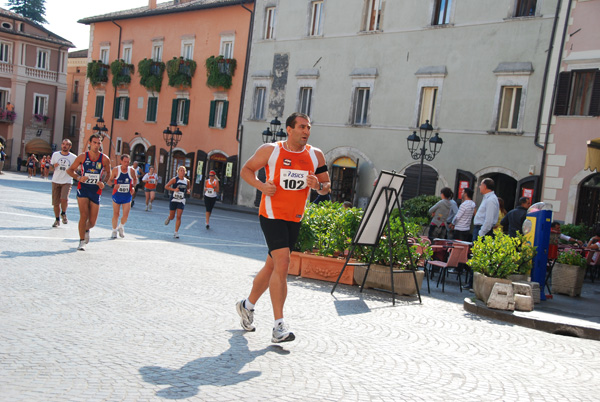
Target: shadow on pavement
221,370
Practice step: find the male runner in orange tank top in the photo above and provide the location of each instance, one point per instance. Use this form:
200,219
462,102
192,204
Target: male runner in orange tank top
292,167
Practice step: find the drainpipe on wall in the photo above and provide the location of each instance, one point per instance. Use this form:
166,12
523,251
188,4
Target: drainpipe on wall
56,95
240,128
112,118
551,111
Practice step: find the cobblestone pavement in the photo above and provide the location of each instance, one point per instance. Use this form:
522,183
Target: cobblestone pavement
149,317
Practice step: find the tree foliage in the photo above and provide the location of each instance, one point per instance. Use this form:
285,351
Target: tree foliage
32,9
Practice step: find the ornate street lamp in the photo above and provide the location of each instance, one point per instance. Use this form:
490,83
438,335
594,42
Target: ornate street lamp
274,132
414,141
172,136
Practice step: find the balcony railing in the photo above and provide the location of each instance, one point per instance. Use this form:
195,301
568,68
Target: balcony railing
40,74
6,68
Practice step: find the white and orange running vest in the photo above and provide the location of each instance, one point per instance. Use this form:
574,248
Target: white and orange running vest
288,170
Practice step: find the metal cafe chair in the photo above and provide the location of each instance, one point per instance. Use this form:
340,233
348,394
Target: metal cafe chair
458,255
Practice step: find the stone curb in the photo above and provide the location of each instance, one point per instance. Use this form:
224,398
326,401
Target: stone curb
479,308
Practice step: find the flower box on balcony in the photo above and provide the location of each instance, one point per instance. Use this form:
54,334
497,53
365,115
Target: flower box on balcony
121,72
151,74
97,72
220,71
180,72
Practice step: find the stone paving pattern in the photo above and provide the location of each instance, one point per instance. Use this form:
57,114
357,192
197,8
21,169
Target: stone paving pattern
149,318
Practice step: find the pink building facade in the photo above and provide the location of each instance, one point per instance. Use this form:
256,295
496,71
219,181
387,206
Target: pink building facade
574,191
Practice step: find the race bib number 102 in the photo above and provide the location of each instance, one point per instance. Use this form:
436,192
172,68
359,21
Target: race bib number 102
290,179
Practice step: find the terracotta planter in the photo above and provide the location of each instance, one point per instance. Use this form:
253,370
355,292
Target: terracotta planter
567,279
379,278
326,269
295,263
482,285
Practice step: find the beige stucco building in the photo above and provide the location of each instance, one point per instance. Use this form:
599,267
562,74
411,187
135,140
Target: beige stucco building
370,72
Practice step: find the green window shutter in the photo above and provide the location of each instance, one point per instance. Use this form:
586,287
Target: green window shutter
186,111
99,106
174,111
117,107
126,108
224,117
151,113
211,116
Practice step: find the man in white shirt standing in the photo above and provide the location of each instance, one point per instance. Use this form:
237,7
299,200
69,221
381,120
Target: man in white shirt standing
489,209
61,181
486,216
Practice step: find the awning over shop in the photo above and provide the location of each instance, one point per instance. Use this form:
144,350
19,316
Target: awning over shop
344,162
592,157
38,146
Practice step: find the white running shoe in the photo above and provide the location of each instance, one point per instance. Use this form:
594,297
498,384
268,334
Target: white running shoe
282,334
167,221
81,245
121,230
64,218
113,235
150,207
87,237
176,235
146,207
246,316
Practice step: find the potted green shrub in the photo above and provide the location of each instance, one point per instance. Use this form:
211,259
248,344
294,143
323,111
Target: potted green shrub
97,72
417,209
495,258
180,72
121,73
568,273
402,258
326,232
219,71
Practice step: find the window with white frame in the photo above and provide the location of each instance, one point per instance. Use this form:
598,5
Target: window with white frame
509,108
4,97
316,19
99,107
40,104
187,49
5,52
373,15
428,102
363,82
259,103
43,59
122,108
441,12
227,49
180,111
270,22
104,54
429,91
73,125
525,8
157,51
305,100
127,53
361,106
511,96
218,113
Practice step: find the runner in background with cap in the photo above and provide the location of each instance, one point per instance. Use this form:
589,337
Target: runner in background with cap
211,191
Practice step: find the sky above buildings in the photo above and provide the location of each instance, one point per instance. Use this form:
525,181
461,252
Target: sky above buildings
63,15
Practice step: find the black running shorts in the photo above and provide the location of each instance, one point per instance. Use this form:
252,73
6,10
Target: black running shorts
279,233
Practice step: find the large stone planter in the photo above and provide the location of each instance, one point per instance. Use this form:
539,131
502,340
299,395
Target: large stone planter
326,269
567,279
295,263
483,285
379,278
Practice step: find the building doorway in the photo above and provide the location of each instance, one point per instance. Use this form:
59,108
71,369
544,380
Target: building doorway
588,206
429,179
344,177
506,188
139,154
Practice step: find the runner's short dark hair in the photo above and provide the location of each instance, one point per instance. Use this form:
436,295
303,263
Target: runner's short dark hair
291,120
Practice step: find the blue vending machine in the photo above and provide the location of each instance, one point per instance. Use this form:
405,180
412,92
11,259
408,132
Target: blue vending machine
537,231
